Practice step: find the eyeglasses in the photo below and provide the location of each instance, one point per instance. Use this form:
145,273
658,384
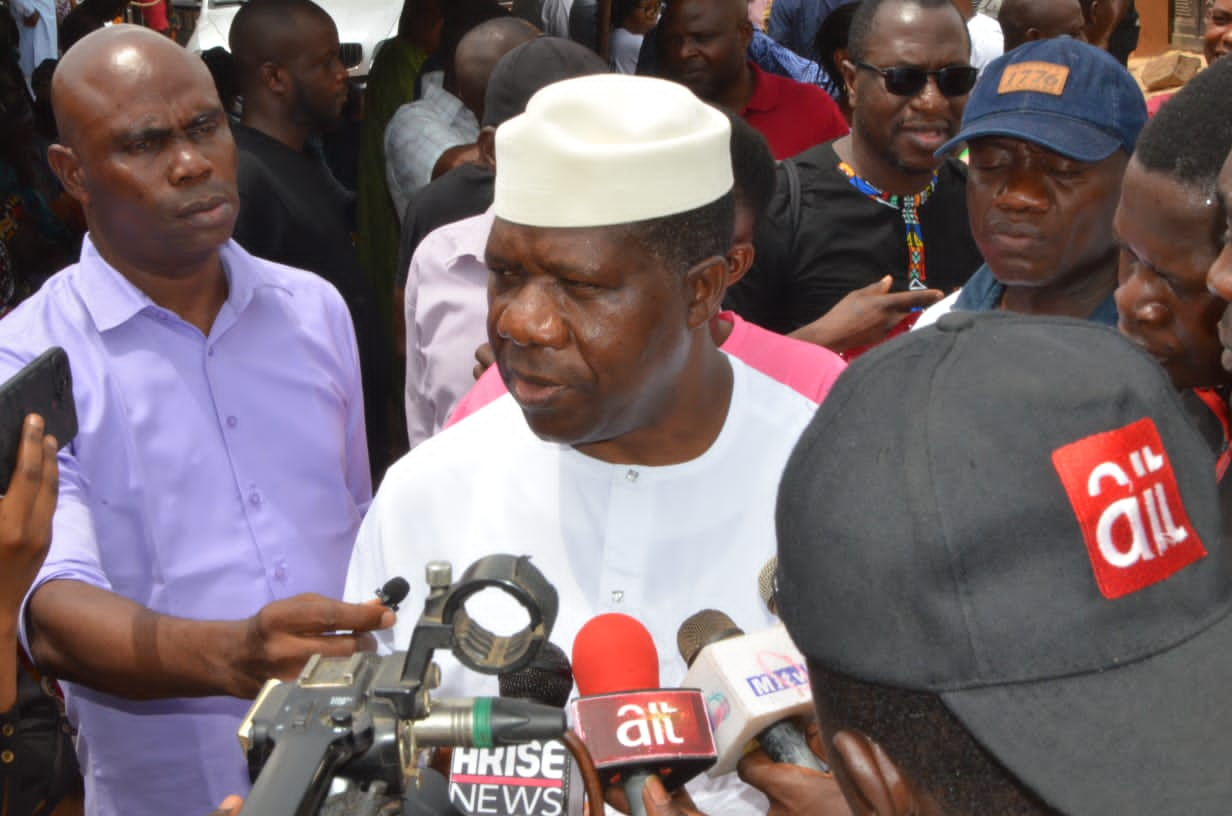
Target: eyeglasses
955,80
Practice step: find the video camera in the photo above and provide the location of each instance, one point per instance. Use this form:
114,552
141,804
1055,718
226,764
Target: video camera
364,719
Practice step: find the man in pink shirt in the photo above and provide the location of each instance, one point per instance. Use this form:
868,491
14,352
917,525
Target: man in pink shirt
806,368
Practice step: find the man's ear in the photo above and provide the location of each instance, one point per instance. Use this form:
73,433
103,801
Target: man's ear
487,147
67,167
874,784
706,282
746,32
848,68
273,78
739,260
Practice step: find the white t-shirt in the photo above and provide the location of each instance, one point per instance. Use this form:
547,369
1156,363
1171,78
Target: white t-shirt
933,313
623,49
657,543
987,41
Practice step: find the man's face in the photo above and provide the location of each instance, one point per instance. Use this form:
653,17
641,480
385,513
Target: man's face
1219,277
151,160
318,77
1169,237
703,45
588,328
904,132
1217,36
1038,217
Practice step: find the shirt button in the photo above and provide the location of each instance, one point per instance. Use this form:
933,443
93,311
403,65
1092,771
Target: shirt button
210,353
617,596
280,573
7,730
254,498
6,757
232,422
631,475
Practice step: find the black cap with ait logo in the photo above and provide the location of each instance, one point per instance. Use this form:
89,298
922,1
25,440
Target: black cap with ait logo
1015,514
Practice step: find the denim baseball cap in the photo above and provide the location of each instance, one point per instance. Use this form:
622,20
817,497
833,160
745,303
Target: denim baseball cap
1061,94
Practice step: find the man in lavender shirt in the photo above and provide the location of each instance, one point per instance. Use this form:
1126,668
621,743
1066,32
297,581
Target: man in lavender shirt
219,475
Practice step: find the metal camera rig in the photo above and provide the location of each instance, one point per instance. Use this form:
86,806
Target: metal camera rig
365,718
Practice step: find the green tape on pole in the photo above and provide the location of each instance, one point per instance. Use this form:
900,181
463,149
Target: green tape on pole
481,725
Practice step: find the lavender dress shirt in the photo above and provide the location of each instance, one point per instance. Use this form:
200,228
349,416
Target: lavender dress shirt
211,475
446,320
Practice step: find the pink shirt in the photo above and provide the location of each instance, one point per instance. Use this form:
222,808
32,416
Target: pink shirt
803,367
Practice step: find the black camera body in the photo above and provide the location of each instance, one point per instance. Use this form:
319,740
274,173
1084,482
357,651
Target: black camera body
366,718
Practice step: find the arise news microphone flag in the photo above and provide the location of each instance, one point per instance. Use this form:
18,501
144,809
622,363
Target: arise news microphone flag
535,779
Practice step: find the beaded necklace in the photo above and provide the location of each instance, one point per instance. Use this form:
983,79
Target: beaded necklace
908,207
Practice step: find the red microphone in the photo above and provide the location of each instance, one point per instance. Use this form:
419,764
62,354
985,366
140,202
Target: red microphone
632,728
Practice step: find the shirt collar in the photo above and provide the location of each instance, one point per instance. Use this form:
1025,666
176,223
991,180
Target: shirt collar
475,241
112,299
765,94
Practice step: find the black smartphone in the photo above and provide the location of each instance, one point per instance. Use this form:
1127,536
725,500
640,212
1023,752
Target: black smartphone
44,387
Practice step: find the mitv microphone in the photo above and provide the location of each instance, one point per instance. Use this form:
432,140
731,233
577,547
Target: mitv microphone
534,779
752,685
633,729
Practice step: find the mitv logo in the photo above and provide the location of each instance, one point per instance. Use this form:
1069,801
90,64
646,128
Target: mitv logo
779,672
1125,496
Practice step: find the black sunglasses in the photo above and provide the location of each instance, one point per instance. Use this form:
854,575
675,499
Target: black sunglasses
956,80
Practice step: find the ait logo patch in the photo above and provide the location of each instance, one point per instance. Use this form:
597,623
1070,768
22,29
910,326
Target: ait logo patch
1124,493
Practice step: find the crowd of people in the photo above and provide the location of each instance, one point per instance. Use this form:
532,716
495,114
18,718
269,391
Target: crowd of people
916,295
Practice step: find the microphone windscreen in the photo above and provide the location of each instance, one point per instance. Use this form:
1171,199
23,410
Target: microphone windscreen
394,591
548,679
701,629
768,584
614,653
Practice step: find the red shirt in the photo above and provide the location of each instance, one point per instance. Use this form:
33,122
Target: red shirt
791,115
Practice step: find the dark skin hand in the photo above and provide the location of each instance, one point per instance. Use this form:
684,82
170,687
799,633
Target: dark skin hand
229,807
864,317
88,635
32,20
793,790
655,797
25,533
484,358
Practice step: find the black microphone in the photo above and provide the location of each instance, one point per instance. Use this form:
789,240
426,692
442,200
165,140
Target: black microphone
761,681
393,592
535,779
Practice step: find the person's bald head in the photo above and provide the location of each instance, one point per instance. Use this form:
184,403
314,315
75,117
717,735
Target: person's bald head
145,147
88,76
289,68
1028,20
271,31
479,51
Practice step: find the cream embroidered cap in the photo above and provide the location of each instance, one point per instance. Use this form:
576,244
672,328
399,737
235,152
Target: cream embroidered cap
610,149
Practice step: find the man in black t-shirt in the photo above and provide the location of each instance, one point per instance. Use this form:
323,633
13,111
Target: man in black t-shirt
874,211
292,210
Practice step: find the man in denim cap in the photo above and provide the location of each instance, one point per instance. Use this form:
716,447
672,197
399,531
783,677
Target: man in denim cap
1051,126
